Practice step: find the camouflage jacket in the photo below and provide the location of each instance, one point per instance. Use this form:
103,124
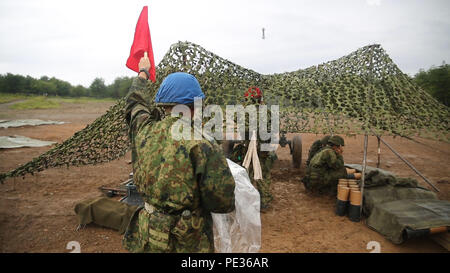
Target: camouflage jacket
327,159
324,170
315,148
181,174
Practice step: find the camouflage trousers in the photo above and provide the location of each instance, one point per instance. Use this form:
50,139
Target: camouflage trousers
263,185
323,181
157,232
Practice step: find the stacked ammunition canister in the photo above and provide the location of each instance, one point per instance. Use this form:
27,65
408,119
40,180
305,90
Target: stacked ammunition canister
354,209
342,200
349,199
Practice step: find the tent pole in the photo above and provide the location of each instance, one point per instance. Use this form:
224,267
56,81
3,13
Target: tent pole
379,153
409,164
363,175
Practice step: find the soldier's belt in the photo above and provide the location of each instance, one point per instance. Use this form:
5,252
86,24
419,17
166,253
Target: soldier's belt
150,209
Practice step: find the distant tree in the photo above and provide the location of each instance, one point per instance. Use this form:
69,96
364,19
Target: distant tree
28,89
13,83
124,87
44,78
44,87
62,87
78,91
436,81
98,88
120,87
2,83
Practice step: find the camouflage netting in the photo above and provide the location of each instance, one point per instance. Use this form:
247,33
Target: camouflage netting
362,90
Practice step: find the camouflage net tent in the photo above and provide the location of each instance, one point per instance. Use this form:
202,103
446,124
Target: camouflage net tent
361,91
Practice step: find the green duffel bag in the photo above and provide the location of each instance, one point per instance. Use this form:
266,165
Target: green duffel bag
105,212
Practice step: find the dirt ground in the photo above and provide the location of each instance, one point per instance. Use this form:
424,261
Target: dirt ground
37,213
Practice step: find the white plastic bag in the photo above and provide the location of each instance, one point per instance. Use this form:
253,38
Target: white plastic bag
240,230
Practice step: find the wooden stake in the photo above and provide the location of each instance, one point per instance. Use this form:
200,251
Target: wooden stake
379,153
363,175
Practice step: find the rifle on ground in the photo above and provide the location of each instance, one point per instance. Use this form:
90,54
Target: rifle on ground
129,192
111,192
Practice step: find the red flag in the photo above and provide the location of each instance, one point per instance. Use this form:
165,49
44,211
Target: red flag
142,43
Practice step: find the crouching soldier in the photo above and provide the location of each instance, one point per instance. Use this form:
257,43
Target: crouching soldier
326,168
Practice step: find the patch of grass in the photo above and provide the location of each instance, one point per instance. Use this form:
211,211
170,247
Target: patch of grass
42,102
36,103
84,100
4,98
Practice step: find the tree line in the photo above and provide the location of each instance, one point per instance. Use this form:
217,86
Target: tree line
435,81
15,84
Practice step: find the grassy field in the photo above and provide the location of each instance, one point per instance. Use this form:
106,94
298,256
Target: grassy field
36,103
5,98
42,102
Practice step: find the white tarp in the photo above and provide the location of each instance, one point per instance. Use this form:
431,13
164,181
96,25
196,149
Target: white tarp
21,141
240,230
25,122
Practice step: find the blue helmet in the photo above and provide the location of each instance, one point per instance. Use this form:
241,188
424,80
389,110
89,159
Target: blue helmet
178,88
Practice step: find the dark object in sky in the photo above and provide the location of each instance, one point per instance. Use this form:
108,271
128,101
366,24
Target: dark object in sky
263,30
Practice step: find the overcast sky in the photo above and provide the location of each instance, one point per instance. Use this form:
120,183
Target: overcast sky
78,41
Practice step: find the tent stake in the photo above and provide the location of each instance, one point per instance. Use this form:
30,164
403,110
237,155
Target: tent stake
407,163
363,175
379,153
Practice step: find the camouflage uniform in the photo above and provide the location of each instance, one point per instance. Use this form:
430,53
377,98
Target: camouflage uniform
324,170
316,147
181,181
266,159
140,110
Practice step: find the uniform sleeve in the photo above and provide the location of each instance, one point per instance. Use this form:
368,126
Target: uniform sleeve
140,108
333,160
216,183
